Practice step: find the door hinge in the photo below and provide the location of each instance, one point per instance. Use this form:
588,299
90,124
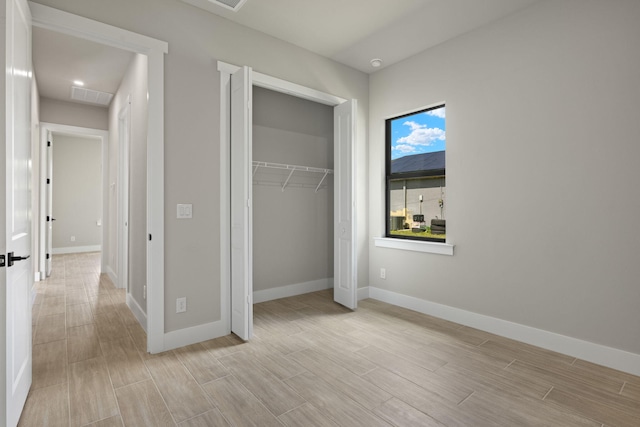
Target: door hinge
150,236
48,143
48,181
2,261
48,219
48,256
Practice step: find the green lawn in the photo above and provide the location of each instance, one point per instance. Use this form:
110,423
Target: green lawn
421,234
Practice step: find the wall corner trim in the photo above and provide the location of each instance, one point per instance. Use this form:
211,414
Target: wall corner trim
194,334
591,352
137,311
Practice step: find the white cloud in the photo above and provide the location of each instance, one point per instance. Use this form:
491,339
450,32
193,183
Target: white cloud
421,135
440,112
404,148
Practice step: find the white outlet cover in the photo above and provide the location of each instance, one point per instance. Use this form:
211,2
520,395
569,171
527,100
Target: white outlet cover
185,211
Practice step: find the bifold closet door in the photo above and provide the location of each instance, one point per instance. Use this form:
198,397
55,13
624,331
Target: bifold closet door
345,283
241,223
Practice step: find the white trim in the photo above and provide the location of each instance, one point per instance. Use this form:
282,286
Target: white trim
137,311
292,290
76,249
112,274
36,276
194,334
77,26
225,197
595,353
414,245
283,86
363,293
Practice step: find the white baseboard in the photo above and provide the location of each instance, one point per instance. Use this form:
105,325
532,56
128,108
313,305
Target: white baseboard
292,290
194,334
591,352
112,275
76,249
137,311
36,276
363,293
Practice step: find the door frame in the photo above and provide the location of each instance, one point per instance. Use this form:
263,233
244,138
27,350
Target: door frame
88,29
124,151
103,135
267,82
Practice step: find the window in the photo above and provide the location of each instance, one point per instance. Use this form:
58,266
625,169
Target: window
415,172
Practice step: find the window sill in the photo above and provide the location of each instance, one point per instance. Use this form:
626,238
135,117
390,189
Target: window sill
414,245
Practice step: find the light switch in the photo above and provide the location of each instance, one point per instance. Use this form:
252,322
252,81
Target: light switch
185,211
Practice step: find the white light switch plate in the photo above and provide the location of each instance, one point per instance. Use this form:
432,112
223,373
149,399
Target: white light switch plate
185,211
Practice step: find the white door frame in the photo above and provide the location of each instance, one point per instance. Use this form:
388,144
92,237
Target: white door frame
77,26
267,82
103,135
124,139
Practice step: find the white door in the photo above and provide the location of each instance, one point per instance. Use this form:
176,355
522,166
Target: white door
16,239
49,204
345,284
124,134
241,218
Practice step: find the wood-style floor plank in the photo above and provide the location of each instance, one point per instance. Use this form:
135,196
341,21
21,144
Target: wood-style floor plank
48,406
183,395
238,405
310,363
142,405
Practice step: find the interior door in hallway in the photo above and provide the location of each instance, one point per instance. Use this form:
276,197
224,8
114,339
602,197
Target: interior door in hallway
16,278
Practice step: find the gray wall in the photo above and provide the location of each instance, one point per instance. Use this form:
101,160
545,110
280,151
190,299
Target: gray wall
77,191
542,170
133,83
73,114
292,229
192,131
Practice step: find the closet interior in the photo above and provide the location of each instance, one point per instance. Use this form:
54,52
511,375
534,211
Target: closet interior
292,195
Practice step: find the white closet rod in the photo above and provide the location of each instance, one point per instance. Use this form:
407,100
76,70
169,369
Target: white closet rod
292,169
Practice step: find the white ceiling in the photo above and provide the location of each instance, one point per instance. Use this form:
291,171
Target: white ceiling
348,31
355,31
59,59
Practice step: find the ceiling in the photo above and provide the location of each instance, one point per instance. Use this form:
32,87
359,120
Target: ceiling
355,31
351,32
59,59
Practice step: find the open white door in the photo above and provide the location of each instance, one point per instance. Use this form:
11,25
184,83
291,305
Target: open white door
16,278
241,218
345,283
49,204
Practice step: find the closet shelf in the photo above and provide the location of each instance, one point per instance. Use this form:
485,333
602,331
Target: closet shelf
292,169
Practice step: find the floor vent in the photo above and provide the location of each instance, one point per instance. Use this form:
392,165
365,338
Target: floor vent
234,5
90,96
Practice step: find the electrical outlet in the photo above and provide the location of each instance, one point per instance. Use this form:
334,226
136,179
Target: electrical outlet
73,238
383,273
181,305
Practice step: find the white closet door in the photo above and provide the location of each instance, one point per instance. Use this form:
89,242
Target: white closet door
345,284
241,218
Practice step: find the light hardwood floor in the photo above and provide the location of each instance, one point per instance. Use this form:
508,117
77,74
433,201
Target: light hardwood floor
312,363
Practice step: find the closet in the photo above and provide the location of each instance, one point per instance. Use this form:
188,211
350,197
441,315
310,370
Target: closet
293,211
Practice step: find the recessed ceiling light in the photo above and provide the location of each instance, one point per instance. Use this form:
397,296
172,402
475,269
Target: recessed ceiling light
376,62
78,82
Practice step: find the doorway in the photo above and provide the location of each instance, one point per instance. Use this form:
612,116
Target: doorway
48,133
55,20
236,195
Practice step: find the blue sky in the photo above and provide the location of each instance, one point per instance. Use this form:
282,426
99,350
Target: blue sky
419,133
